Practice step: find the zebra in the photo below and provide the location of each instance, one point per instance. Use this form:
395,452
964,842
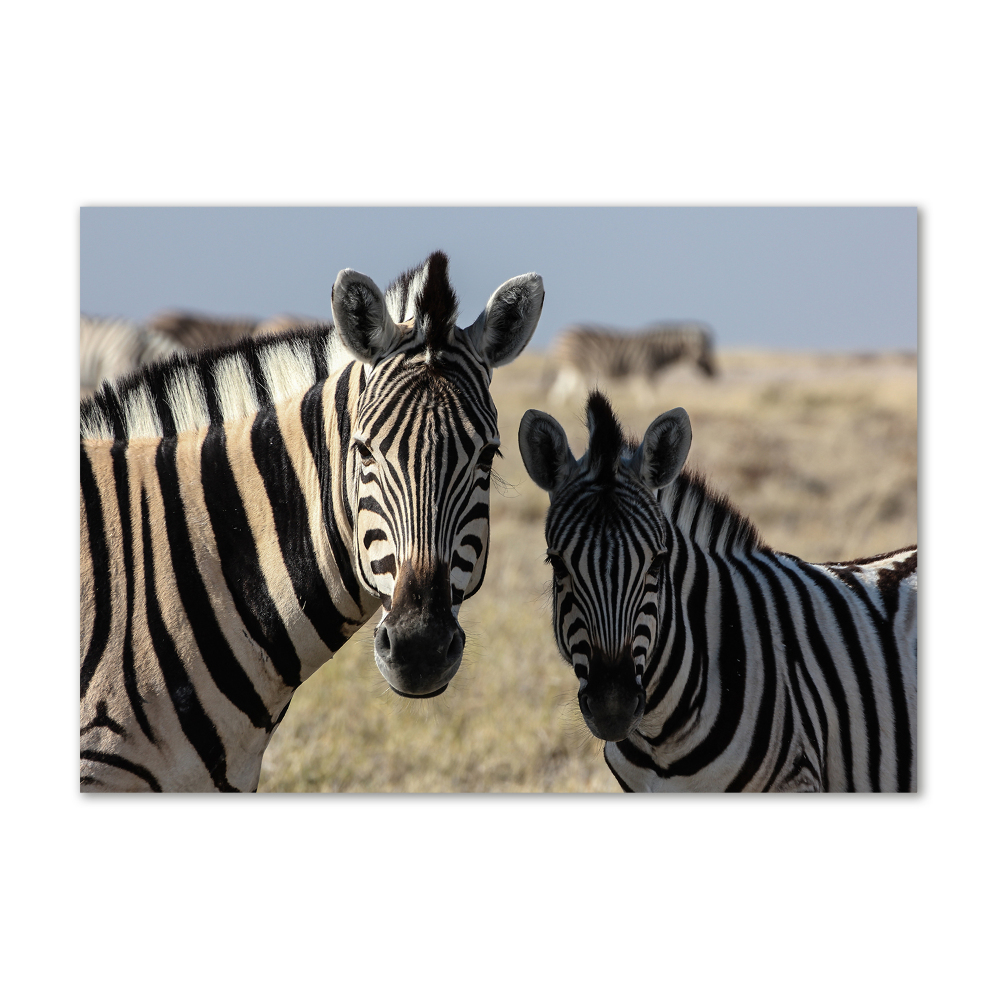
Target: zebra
246,509
585,353
706,660
111,347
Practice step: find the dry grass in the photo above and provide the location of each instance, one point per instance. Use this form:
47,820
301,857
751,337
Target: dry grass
819,451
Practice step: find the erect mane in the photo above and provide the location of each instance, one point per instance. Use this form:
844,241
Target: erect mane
425,293
702,513
190,391
606,439
695,508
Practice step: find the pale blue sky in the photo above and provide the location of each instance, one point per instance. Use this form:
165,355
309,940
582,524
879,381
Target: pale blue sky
790,278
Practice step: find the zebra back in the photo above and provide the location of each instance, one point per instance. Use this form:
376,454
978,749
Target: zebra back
609,353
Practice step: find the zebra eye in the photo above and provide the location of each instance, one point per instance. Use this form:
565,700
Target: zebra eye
558,566
487,455
657,564
367,458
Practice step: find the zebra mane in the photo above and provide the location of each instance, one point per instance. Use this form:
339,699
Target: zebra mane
426,294
187,392
606,440
703,514
707,516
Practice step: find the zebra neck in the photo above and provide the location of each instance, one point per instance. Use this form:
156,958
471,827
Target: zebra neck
280,512
697,670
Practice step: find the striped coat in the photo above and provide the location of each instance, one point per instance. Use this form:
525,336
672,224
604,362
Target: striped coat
245,510
587,354
707,661
112,347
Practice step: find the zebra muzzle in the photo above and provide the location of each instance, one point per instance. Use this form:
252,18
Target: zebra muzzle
611,702
419,644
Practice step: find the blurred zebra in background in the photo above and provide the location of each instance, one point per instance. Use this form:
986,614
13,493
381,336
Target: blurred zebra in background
586,354
707,661
112,347
246,509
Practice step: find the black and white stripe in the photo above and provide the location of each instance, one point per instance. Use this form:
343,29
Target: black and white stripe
245,510
112,347
588,353
707,661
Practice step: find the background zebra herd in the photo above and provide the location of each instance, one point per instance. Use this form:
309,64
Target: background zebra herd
247,508
112,347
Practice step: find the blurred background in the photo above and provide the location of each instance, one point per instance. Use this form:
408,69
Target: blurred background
828,279
810,424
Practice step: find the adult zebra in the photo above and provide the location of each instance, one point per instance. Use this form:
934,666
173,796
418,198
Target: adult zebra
708,661
245,510
585,353
111,347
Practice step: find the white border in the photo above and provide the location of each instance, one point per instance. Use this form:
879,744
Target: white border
769,103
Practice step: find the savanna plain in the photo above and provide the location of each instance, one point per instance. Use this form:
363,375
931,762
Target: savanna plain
819,450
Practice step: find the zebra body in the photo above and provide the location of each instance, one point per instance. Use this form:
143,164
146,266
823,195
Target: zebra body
112,347
588,353
245,510
707,661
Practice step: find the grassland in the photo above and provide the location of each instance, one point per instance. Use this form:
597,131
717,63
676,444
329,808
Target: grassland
819,450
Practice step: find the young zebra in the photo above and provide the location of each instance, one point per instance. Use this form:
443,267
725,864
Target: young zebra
245,510
707,661
586,353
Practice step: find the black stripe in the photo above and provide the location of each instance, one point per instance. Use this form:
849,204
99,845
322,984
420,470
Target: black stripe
291,521
786,743
759,624
224,667
617,776
894,671
113,760
788,640
156,379
831,677
101,629
885,628
693,695
313,427
102,720
119,466
238,558
197,726
732,678
211,396
795,668
318,347
845,620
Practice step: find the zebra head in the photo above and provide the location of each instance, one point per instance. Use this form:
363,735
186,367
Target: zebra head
420,456
607,544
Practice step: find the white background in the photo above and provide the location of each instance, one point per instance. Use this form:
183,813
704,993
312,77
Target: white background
521,103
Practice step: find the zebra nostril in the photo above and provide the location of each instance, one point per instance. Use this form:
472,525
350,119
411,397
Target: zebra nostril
383,642
456,647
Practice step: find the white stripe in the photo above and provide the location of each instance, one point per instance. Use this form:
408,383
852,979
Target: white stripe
288,369
233,388
141,418
186,399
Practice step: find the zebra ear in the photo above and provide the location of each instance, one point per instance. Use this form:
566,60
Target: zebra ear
509,320
664,449
544,450
361,318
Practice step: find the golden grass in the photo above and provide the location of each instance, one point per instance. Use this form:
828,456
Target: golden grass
820,451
